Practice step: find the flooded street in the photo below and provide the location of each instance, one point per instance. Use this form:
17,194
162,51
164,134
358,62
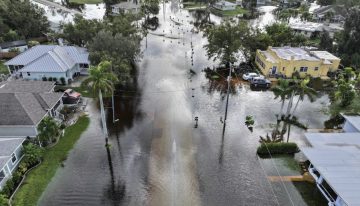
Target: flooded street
157,157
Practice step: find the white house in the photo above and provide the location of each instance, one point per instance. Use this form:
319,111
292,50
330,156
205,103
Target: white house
335,163
10,156
224,6
50,61
129,6
24,104
312,29
20,45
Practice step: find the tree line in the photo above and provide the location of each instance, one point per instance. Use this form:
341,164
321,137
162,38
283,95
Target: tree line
21,20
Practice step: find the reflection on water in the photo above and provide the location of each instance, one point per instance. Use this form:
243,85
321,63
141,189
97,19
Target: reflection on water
157,157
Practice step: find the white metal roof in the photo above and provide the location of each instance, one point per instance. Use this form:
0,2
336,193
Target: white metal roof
324,55
354,120
306,26
297,53
50,58
336,156
269,57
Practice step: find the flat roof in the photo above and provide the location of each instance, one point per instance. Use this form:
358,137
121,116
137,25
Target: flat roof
324,55
336,156
269,56
295,52
354,120
306,26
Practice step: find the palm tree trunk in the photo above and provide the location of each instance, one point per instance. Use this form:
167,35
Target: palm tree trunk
283,130
288,134
279,117
102,112
297,103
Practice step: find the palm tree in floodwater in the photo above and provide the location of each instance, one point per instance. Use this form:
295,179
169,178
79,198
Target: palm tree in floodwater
101,80
282,91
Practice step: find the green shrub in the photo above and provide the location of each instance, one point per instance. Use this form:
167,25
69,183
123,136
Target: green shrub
54,79
4,200
50,79
8,188
44,79
62,126
277,148
62,80
32,154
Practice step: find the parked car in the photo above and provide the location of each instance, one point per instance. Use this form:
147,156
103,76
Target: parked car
258,82
71,97
249,76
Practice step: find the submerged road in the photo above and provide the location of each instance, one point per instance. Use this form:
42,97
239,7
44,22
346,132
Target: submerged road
157,157
58,6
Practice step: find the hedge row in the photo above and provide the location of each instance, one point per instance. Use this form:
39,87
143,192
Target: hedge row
277,148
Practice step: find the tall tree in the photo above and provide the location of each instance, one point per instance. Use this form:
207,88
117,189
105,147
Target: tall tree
101,80
326,2
349,40
226,40
326,43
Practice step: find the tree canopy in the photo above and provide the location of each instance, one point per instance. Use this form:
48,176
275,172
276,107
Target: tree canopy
21,19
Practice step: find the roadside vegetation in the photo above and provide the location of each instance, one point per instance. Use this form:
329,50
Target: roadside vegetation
85,1
3,69
238,11
38,179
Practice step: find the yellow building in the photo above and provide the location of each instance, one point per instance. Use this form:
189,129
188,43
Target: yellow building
287,60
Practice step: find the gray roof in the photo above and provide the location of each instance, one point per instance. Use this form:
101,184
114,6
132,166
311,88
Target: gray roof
14,86
6,45
297,53
26,108
7,147
50,58
354,121
336,156
225,3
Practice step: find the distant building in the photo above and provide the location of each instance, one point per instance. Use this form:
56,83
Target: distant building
333,13
311,29
50,61
225,6
290,60
10,156
335,163
24,104
290,3
130,6
20,45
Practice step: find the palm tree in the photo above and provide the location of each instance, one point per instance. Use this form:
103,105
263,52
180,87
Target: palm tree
282,91
48,129
101,80
300,89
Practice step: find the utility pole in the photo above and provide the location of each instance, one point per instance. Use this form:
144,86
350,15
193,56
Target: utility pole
227,99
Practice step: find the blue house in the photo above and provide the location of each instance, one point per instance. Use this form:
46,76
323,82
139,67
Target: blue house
10,156
50,61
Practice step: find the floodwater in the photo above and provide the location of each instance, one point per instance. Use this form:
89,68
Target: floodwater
157,157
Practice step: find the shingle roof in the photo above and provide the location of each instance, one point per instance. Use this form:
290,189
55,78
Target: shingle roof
25,108
26,86
50,58
7,147
6,45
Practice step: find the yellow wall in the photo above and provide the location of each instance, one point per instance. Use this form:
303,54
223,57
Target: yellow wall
288,67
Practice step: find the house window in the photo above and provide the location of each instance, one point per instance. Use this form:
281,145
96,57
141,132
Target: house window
303,69
283,68
2,175
13,158
28,73
260,62
316,68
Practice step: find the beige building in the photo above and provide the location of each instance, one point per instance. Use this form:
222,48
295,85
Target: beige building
288,60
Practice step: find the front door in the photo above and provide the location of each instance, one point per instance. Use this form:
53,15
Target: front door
273,70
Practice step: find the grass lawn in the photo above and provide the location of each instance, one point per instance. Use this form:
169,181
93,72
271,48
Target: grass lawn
86,1
310,193
38,179
193,5
3,68
237,11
